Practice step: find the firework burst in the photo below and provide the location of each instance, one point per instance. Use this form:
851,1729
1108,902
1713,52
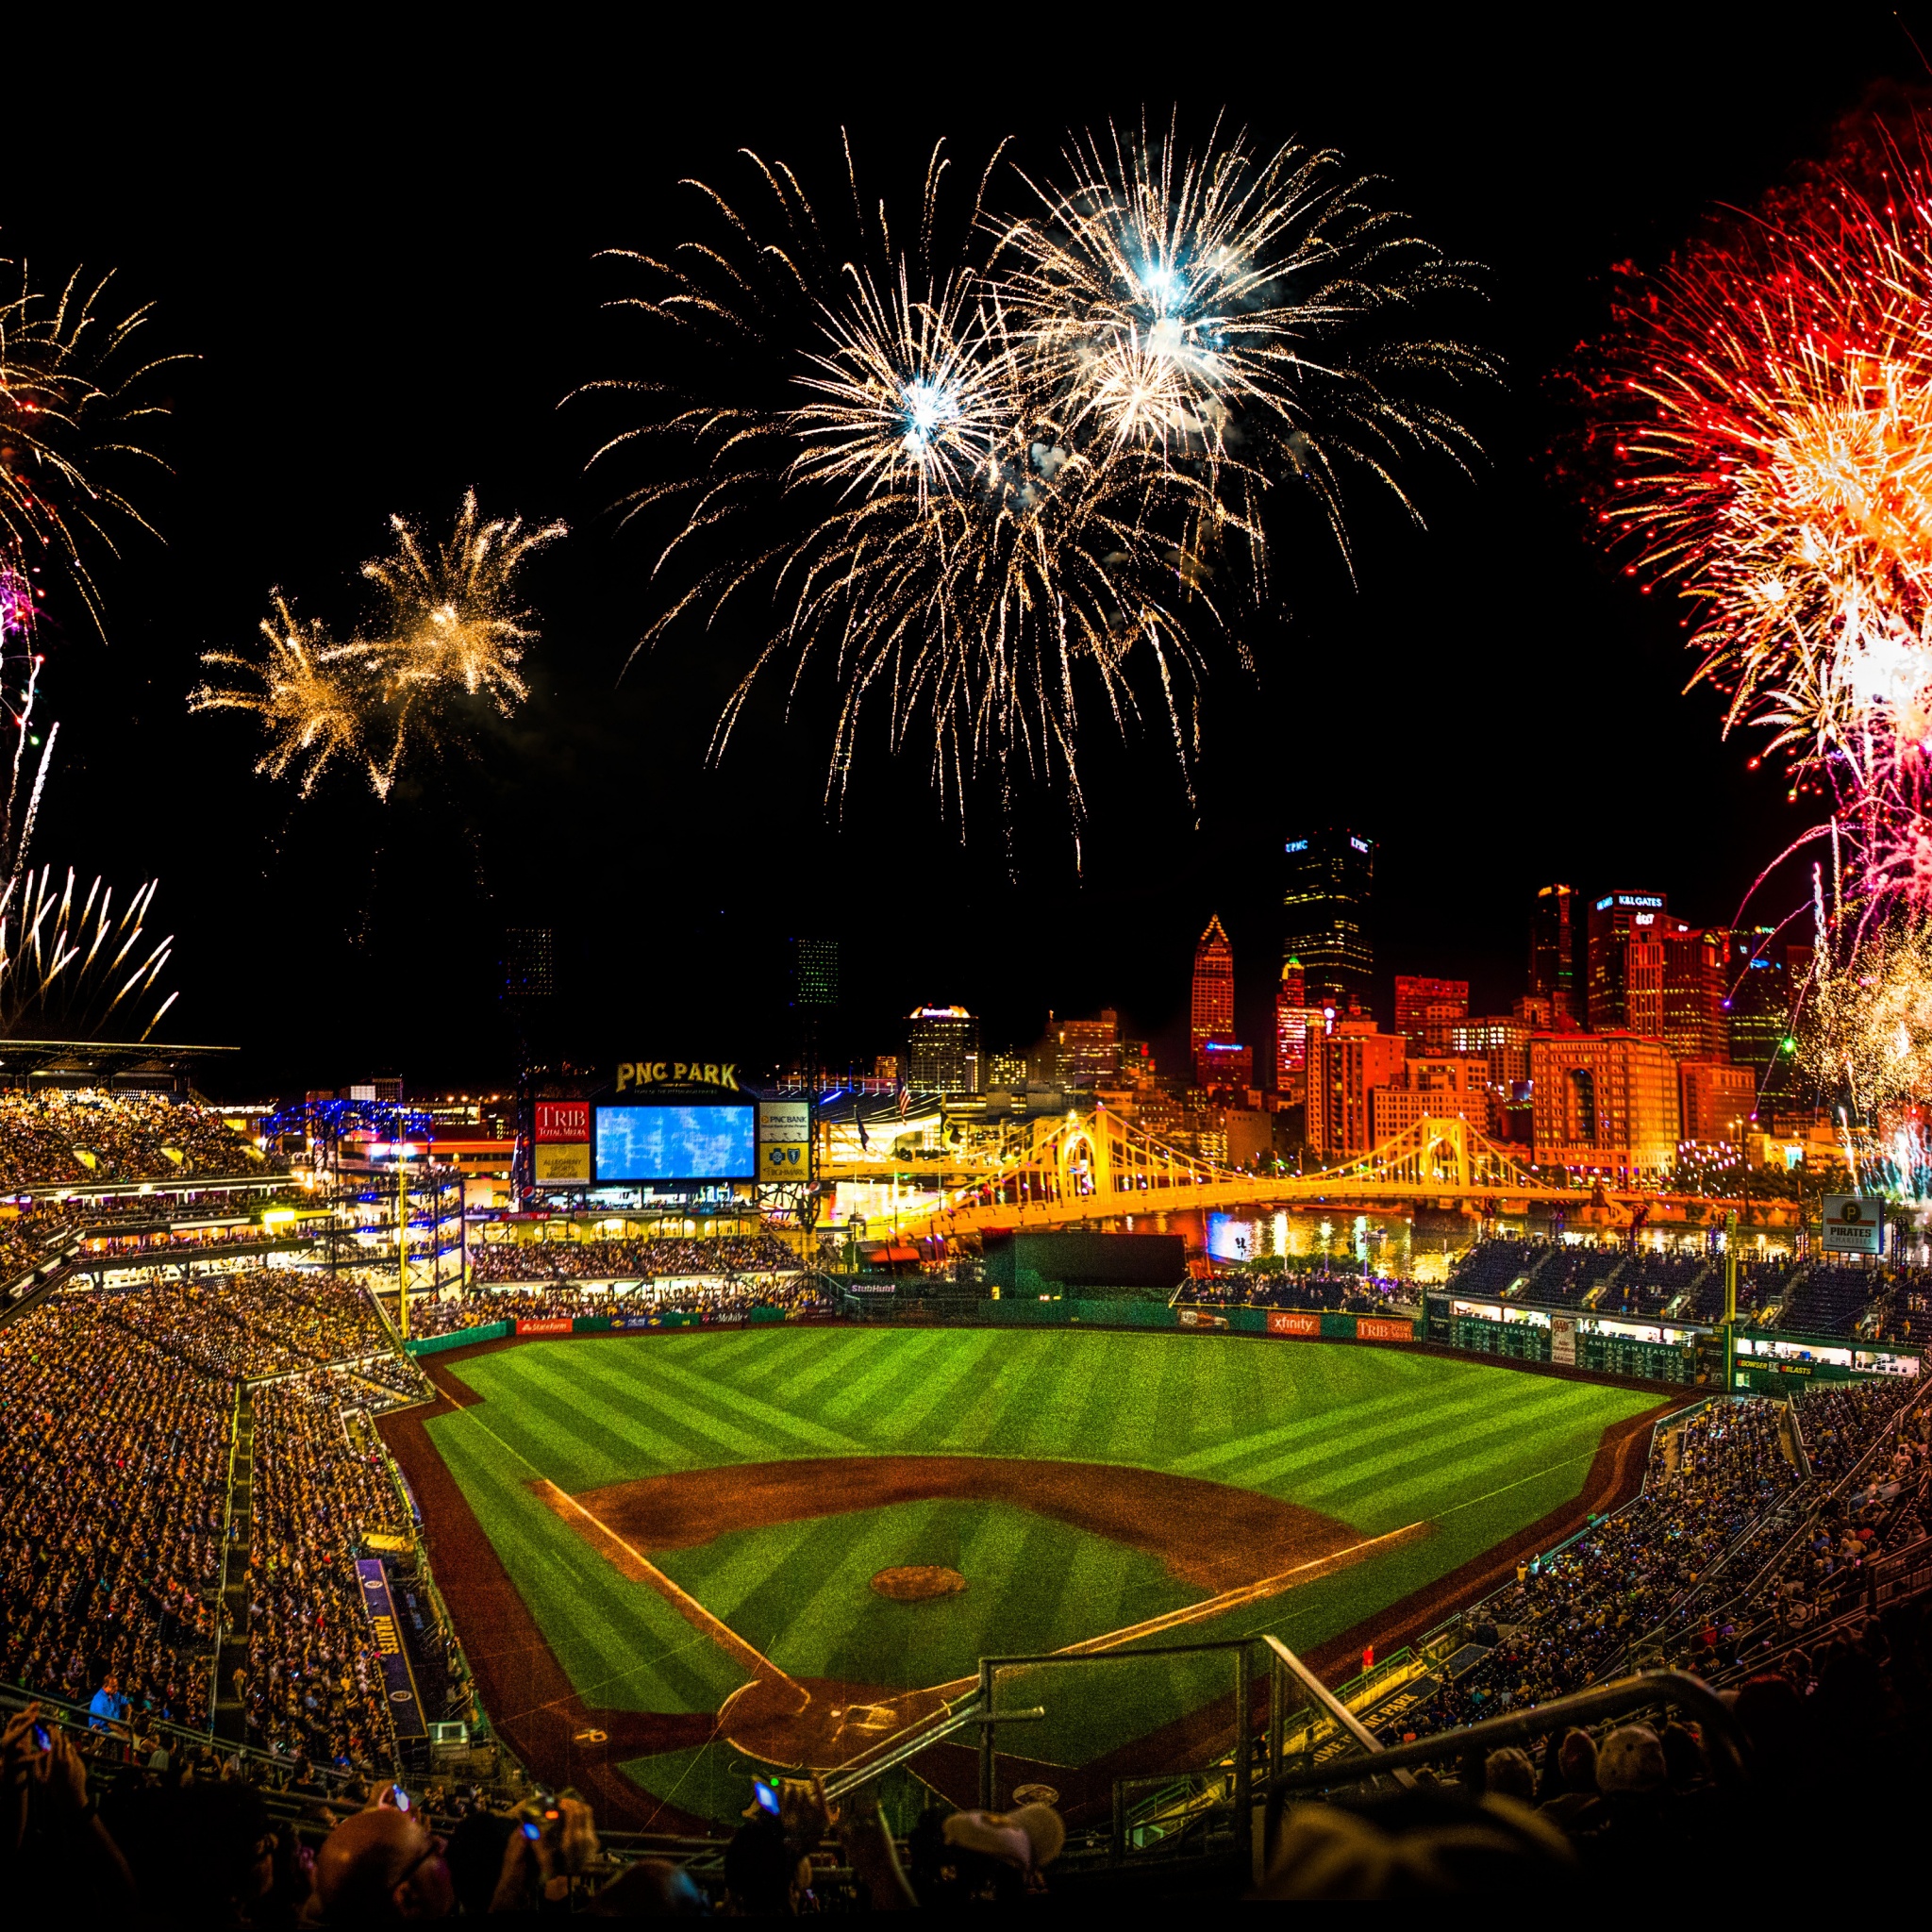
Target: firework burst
309,695
995,477
452,619
1253,311
71,393
1769,407
450,627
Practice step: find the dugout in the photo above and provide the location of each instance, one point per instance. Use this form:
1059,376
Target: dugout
1094,1266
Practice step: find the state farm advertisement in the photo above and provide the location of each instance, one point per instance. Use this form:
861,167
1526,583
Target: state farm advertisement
542,1324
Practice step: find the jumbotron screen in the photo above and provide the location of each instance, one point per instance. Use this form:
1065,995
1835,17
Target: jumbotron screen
676,1143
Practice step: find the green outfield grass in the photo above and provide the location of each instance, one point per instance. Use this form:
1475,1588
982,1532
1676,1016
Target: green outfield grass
1374,1437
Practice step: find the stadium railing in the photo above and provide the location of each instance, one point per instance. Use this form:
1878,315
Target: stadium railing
1347,1768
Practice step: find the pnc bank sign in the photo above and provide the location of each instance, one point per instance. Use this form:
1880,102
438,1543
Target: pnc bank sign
632,1074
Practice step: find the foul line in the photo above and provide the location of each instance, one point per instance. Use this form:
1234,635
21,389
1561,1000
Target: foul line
1236,1599
1534,1476
634,1564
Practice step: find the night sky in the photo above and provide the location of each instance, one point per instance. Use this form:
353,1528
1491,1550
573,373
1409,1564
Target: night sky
381,255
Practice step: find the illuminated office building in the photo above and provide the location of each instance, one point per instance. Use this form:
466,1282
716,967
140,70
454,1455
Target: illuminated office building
942,1050
1716,1100
1695,1026
1626,987
1344,1068
1426,1009
1290,1028
1760,992
1088,1050
1607,1102
1211,1010
1326,904
1553,950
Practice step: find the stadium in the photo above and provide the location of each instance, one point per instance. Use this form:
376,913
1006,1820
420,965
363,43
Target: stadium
662,1494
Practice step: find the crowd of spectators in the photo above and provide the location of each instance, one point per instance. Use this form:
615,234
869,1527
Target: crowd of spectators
635,1257
1841,1423
26,1239
254,1322
114,1466
58,1135
1340,1292
477,1308
1568,1618
313,1686
169,1244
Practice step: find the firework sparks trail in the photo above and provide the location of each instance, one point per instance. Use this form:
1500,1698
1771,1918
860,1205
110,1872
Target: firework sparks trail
450,624
63,968
311,703
71,392
1226,301
1772,424
452,619
1001,467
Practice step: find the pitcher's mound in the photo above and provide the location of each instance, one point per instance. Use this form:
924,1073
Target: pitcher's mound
913,1583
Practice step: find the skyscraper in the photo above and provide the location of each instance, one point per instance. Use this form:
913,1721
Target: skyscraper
1290,1028
1553,950
1625,987
1760,998
1325,915
1695,1022
813,994
1210,1011
1089,1051
942,1050
1426,1009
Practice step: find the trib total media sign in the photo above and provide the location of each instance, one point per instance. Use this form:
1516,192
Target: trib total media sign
562,1137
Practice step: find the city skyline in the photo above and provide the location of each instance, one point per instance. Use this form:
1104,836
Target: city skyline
513,834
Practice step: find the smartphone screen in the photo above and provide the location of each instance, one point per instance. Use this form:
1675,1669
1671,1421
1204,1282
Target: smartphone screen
767,1798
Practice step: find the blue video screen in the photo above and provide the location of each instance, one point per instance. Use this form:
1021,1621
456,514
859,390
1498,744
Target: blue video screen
676,1143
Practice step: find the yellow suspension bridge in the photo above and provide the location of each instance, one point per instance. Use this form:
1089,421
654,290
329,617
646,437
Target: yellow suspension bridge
1099,1166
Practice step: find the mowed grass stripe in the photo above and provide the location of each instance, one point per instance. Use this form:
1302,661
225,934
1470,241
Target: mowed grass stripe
882,1383
1440,1441
694,1417
1018,1379
1200,1461
604,1430
763,1414
829,1355
906,1418
865,1381
1317,1449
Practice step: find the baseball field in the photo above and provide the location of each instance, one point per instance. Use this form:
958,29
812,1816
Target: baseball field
711,1550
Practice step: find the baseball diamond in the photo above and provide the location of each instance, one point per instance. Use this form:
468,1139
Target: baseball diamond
682,1536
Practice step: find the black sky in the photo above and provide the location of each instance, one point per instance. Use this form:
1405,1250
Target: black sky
381,253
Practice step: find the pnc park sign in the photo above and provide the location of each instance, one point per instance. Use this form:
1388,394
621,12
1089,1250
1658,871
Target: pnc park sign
635,1073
